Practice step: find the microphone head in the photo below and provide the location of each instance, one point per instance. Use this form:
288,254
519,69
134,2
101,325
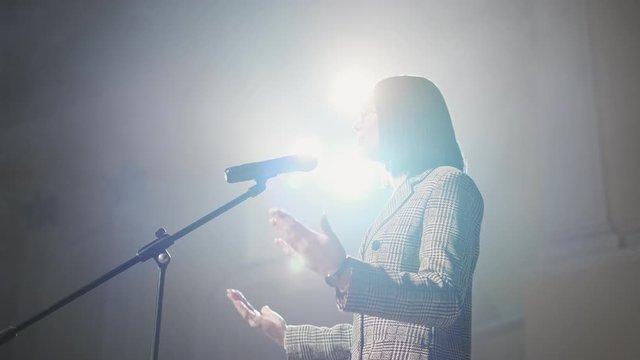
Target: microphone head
264,170
305,162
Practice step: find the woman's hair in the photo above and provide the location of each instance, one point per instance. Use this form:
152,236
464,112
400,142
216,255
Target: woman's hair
415,128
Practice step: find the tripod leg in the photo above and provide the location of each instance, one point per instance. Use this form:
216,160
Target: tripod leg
162,260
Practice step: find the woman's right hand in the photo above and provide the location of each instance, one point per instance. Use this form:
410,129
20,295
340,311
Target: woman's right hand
266,320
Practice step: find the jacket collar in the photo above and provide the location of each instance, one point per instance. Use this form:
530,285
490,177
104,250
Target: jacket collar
399,197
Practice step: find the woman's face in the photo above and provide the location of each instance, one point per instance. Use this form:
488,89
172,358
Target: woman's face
367,131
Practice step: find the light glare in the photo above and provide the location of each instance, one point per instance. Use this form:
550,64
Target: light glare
296,264
350,90
349,176
345,175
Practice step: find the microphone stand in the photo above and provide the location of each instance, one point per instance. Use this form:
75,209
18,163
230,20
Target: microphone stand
156,249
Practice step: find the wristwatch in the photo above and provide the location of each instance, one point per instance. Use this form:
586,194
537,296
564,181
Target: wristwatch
332,279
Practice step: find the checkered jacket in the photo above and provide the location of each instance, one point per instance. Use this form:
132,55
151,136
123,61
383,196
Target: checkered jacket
410,291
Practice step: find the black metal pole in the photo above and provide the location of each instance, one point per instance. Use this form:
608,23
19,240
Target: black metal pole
163,259
12,331
153,249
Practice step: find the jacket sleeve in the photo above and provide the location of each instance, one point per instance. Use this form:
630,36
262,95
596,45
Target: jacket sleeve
307,342
433,296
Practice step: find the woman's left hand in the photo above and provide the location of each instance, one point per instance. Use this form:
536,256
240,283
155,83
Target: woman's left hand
321,251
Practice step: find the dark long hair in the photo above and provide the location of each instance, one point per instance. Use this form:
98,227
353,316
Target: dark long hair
415,128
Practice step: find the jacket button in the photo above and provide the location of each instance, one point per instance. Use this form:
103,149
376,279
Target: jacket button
375,245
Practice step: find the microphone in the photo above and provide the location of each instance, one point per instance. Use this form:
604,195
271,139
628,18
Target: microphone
263,170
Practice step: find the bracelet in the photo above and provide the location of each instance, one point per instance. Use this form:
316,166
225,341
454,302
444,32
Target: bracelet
332,279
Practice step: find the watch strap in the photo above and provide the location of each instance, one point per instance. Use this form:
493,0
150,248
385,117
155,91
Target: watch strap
332,279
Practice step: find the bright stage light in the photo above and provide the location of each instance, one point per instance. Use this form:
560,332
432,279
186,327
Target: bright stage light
307,146
351,89
349,176
343,174
304,146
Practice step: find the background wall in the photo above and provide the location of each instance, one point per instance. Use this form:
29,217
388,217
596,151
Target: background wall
119,117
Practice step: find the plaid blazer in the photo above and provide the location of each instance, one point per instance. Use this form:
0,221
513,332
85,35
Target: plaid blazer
410,292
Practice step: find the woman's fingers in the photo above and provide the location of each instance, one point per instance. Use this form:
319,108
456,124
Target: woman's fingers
280,218
285,247
244,308
321,250
272,315
326,227
274,325
266,320
289,229
248,315
285,223
269,314
279,213
237,295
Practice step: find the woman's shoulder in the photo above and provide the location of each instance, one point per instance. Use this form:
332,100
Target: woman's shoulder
438,174
444,176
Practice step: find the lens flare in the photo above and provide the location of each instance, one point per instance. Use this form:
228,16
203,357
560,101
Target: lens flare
309,147
345,175
296,264
348,176
351,89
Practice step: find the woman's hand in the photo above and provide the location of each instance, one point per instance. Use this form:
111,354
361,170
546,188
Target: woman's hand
267,320
322,252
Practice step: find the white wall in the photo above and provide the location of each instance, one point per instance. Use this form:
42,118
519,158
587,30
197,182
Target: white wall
581,302
584,310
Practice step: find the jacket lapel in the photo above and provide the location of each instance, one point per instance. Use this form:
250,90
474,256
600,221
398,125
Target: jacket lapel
399,197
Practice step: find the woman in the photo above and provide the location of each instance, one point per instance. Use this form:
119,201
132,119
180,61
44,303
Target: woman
410,287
